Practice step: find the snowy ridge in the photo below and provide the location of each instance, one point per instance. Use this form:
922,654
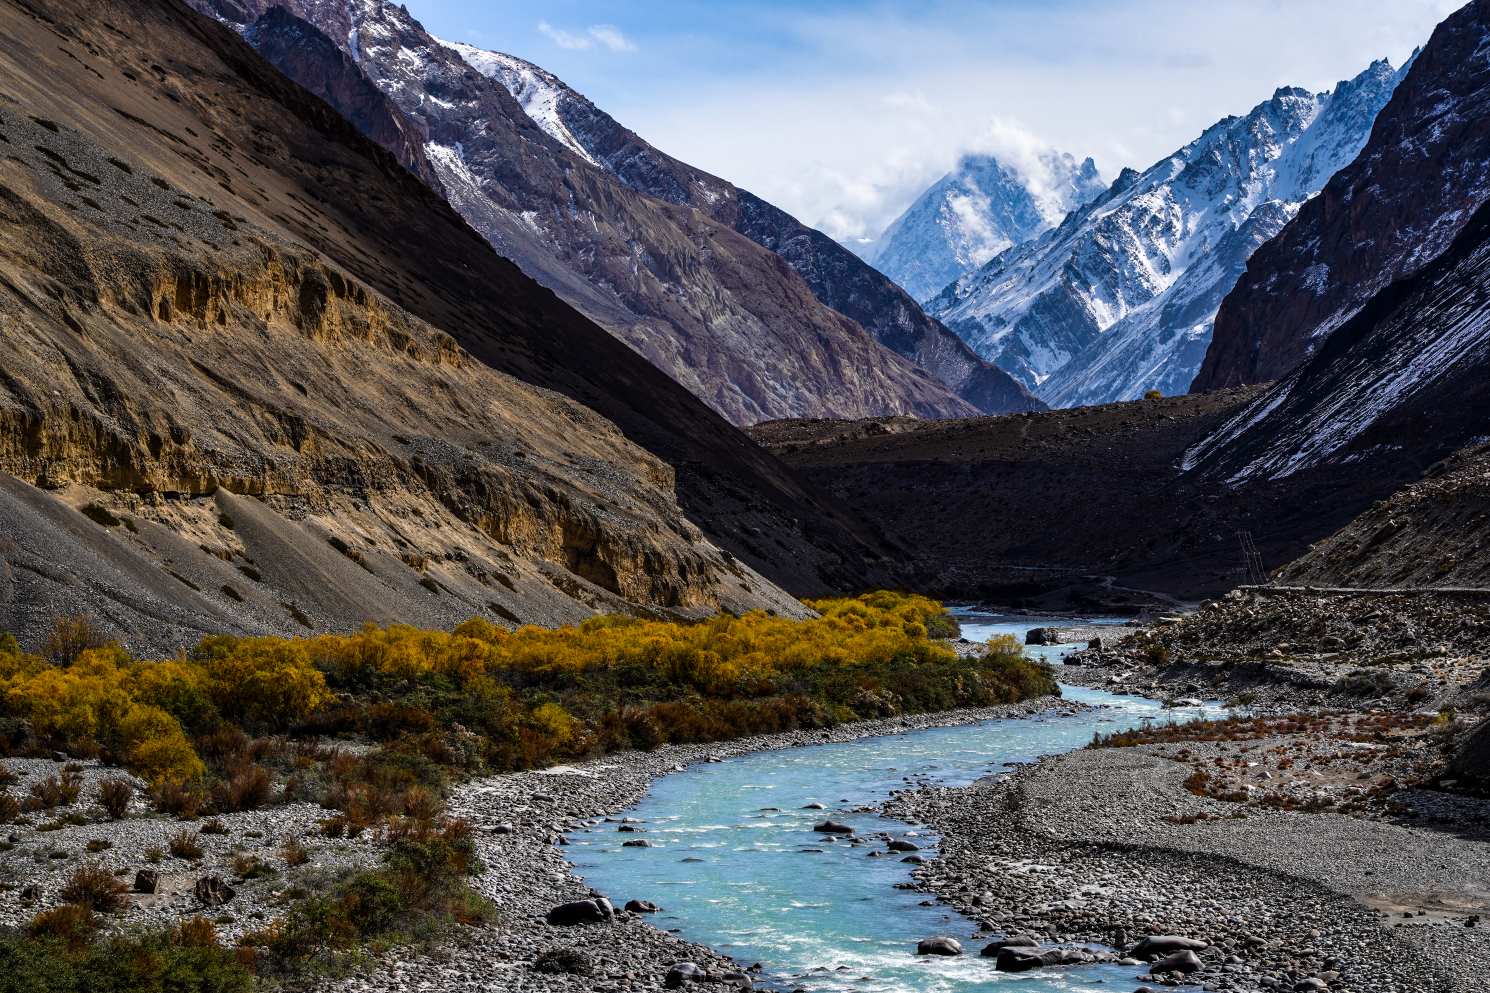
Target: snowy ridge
981,208
1154,255
536,90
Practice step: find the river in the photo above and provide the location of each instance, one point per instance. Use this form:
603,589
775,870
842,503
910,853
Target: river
737,866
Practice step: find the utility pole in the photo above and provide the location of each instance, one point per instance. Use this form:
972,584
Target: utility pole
1252,559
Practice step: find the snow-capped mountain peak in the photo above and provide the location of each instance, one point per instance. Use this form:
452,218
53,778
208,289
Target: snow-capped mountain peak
981,208
1121,297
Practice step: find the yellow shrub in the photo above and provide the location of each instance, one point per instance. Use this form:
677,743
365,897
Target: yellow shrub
155,747
264,681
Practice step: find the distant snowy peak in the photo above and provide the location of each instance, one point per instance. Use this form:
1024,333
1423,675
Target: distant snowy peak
1154,255
981,208
539,92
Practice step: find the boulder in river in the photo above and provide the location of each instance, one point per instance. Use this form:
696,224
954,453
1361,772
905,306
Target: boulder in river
992,949
903,846
940,945
814,805
582,912
1042,636
642,907
1019,959
1156,947
1184,962
832,827
636,843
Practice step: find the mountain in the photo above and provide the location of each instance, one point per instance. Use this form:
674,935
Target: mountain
976,211
1141,269
837,277
1383,217
725,317
256,376
1402,384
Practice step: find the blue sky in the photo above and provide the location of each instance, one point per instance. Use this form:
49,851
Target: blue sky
841,112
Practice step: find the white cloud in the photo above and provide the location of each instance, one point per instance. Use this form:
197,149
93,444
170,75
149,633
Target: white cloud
909,103
606,36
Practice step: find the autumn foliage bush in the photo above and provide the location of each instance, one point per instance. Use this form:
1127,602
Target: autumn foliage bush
520,698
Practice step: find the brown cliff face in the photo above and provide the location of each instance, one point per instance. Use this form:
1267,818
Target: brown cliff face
729,320
1398,206
281,405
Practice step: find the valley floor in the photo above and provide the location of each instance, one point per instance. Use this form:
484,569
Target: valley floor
520,818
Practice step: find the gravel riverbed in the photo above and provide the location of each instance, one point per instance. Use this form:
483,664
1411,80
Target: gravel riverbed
520,820
1099,845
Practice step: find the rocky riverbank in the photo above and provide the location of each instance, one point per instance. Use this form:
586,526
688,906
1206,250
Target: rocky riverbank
1302,647
1109,846
521,820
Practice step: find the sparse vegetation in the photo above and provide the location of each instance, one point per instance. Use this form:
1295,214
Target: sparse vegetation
96,888
185,844
115,796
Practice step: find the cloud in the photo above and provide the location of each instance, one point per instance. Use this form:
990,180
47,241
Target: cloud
606,36
909,103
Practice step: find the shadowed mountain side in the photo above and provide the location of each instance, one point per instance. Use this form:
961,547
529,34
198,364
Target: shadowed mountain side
1430,533
1080,509
190,100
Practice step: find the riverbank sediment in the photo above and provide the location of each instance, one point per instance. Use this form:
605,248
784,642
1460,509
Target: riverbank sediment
1112,844
520,819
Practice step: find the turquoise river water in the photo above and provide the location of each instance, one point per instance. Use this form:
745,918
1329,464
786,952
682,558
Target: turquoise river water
731,867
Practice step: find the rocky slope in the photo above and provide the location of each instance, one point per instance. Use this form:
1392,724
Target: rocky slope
1430,533
978,210
1389,213
287,386
838,278
724,317
1140,270
1399,386
321,67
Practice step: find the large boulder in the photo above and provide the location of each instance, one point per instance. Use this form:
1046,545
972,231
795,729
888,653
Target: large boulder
594,911
1019,959
1471,762
1158,946
1042,636
147,881
1184,963
903,846
684,972
940,945
992,949
832,827
213,892
642,907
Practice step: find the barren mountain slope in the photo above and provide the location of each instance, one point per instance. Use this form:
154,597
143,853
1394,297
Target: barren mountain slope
721,315
265,360
837,277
